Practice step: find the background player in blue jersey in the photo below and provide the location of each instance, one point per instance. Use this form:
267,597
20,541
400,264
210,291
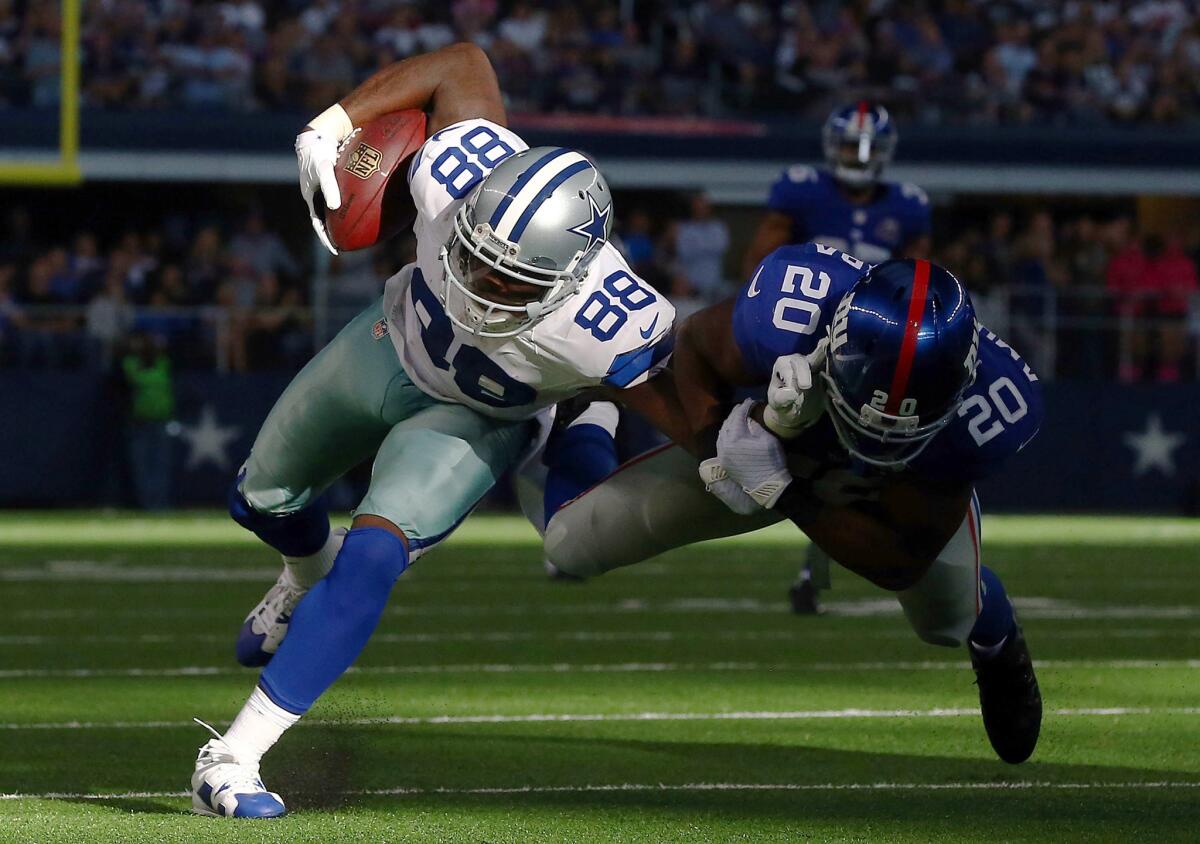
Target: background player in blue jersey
847,205
887,402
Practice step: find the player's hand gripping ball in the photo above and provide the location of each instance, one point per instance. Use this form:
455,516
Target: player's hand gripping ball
364,182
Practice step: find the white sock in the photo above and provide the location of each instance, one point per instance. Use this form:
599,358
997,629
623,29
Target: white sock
305,572
602,413
257,727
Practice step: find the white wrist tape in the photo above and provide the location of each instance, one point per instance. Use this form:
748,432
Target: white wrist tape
333,122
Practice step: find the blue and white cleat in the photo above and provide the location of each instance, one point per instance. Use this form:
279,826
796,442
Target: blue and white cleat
264,628
222,787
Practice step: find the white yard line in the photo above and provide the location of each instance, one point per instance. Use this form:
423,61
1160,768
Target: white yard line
800,634
600,668
1029,608
570,718
403,791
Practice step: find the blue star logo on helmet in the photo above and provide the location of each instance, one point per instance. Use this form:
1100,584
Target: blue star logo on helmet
595,229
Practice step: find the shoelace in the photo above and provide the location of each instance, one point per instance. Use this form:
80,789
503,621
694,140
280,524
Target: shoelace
280,600
243,778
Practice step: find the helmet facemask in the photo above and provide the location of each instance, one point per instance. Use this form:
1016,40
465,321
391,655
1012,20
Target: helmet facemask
883,439
490,291
858,156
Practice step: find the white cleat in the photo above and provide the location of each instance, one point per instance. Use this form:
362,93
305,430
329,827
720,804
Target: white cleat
264,628
222,787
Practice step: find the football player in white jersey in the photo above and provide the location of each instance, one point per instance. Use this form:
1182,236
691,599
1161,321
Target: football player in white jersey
516,301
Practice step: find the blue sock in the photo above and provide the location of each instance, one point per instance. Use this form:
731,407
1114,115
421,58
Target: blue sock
332,623
298,534
579,458
996,619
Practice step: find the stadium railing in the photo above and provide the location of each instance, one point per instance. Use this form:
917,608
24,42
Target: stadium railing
1042,323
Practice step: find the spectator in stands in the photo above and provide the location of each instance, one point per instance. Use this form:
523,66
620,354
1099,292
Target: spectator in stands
1037,273
205,265
47,338
12,316
108,318
1124,277
1085,260
699,245
149,383
263,249
1171,276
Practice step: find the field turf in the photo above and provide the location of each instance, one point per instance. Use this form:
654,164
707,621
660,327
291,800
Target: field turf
673,701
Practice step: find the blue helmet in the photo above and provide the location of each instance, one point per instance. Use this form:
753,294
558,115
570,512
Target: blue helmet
903,347
859,140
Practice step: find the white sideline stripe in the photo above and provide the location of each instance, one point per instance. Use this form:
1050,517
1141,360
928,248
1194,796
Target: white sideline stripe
605,668
398,791
797,635
570,718
1029,608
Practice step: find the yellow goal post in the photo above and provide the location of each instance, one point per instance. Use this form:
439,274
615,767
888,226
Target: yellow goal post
63,170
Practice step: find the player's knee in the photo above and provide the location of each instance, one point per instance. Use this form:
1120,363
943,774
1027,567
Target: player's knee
568,555
299,533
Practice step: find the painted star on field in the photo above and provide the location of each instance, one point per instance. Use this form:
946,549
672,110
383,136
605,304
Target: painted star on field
1154,448
208,441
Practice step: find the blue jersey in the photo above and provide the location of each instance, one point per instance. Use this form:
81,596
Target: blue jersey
787,308
897,216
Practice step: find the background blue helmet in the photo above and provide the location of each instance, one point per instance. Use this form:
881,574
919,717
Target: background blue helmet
902,352
859,140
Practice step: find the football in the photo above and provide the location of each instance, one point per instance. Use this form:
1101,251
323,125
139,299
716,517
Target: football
375,206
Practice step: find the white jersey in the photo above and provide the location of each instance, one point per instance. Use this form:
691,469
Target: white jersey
615,330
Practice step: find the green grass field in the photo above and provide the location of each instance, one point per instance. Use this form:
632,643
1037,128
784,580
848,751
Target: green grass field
673,701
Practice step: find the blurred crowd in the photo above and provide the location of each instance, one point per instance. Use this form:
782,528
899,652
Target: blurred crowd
202,294
972,61
1080,295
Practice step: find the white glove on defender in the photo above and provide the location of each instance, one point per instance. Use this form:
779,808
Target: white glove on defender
316,156
753,456
717,481
791,404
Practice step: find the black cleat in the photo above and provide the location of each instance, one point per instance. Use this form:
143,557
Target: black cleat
1009,698
805,597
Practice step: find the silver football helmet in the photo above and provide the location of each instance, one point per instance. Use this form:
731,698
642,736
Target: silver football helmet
523,241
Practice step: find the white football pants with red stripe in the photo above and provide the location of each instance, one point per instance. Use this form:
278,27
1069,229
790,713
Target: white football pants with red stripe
656,503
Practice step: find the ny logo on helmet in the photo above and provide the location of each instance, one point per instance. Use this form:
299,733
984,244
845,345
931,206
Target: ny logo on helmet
971,361
841,318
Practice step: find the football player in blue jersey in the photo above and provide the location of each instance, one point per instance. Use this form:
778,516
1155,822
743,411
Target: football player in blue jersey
847,204
886,402
850,206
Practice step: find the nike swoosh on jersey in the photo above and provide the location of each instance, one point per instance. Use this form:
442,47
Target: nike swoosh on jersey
649,328
753,290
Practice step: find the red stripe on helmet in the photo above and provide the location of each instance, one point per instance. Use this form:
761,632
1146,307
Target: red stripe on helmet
908,346
862,115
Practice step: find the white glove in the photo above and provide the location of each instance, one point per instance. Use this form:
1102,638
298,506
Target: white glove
717,481
792,405
753,456
316,156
